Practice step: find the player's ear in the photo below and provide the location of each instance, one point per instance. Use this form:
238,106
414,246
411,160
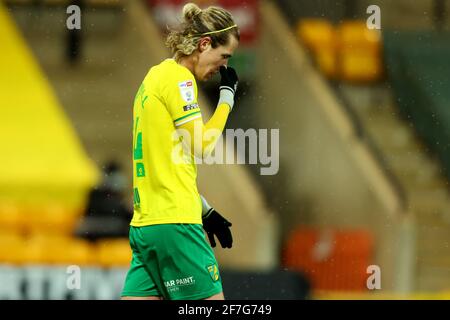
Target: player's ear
204,44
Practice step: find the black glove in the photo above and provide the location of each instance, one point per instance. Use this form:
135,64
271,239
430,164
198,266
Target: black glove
215,224
228,85
229,79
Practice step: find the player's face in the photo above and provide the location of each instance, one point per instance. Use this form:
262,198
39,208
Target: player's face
210,59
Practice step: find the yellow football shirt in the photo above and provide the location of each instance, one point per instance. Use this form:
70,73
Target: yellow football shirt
165,191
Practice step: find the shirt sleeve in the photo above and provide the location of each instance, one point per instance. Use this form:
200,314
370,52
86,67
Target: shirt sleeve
182,100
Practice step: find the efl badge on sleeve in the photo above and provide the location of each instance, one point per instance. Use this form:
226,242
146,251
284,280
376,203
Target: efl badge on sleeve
187,90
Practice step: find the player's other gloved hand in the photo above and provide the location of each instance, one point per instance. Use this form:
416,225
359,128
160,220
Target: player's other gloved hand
228,85
215,224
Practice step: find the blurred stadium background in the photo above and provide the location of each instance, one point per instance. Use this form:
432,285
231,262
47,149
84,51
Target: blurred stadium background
364,120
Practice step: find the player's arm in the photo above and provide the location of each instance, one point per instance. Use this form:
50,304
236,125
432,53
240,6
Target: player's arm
203,137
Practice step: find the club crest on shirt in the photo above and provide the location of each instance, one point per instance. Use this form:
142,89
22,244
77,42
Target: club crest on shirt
187,90
213,272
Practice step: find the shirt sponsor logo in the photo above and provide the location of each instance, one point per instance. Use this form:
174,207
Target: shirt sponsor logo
190,107
187,90
174,285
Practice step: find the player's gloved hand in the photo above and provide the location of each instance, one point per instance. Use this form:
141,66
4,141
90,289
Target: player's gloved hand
215,224
228,85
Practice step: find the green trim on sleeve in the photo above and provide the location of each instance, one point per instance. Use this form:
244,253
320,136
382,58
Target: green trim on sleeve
188,115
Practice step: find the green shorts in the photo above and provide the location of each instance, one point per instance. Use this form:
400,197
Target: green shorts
173,261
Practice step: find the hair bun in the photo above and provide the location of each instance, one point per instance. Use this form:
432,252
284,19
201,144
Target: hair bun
190,10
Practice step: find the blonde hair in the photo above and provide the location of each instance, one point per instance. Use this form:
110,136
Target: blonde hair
215,22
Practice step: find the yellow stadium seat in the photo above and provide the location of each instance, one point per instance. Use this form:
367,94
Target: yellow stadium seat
10,218
326,61
318,36
316,33
53,219
74,251
58,249
11,247
359,52
115,252
45,248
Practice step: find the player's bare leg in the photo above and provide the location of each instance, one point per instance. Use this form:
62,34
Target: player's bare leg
218,296
141,298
